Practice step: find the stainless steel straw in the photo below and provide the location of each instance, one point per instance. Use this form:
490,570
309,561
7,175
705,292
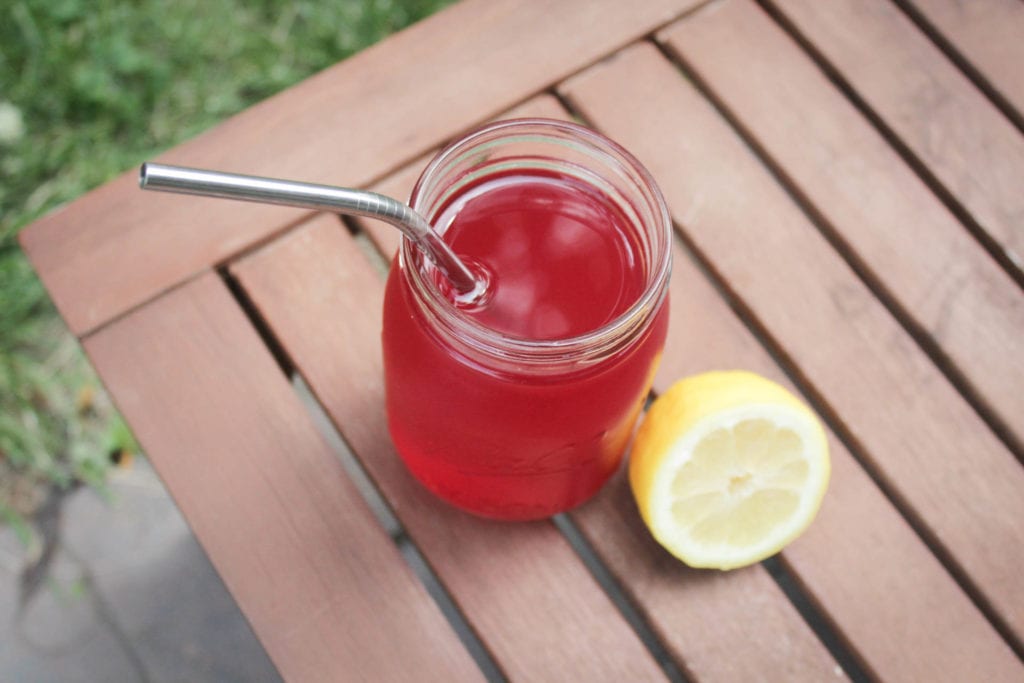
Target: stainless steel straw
344,200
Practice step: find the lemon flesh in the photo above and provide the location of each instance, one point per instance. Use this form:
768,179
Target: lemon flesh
727,468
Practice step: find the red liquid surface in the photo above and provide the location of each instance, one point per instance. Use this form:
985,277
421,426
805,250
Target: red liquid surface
563,261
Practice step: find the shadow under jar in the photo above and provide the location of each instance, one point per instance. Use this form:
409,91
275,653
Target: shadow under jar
521,405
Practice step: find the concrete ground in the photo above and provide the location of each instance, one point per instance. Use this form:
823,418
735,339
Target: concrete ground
129,596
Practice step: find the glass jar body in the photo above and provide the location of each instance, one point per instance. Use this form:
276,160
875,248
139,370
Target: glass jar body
501,425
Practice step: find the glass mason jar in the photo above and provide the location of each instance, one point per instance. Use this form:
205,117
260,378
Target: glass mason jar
491,419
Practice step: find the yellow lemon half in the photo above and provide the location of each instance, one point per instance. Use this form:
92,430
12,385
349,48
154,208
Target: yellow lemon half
727,468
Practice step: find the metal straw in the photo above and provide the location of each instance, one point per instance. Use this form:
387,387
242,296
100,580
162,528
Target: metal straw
345,200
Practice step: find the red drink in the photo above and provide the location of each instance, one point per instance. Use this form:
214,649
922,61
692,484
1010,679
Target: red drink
500,430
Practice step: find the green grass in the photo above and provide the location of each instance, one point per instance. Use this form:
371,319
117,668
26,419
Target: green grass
87,90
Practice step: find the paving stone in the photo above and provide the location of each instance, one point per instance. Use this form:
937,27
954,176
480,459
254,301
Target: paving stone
130,597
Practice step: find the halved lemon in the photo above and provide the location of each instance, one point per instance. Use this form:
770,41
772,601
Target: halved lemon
727,468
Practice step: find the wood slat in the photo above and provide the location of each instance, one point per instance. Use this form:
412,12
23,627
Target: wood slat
989,34
860,561
747,606
921,438
908,241
117,247
324,587
521,586
965,142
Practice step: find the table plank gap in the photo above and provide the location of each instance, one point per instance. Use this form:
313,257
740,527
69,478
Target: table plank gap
465,630
641,77
988,48
818,618
995,314
999,241
343,452
630,611
277,351
406,546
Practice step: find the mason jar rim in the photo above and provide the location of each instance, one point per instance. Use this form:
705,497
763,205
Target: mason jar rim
591,345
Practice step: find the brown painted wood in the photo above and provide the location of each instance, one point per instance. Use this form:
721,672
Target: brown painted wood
989,34
400,183
324,587
117,247
860,561
946,282
920,437
525,591
777,643
965,142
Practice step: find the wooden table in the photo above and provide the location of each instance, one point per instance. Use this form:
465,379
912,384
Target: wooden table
847,182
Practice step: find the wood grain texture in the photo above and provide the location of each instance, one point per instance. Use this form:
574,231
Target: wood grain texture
325,589
920,437
989,34
965,142
400,183
521,586
116,247
946,282
778,644
860,561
